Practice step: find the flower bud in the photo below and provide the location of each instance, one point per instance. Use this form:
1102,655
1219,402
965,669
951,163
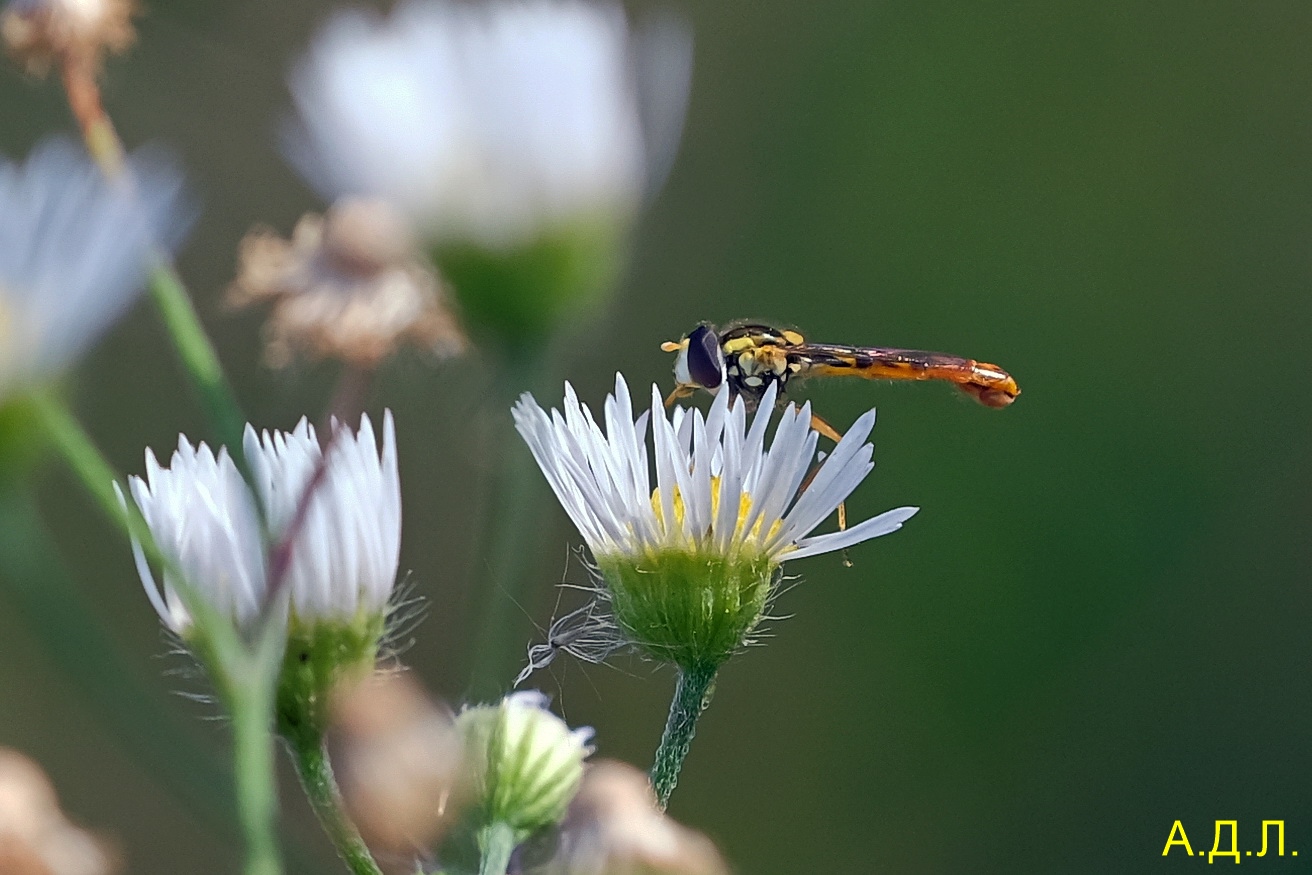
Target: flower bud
524,762
334,518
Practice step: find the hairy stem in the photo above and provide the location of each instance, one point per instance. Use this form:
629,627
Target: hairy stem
692,695
316,773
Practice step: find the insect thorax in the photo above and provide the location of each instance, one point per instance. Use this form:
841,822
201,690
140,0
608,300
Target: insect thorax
756,356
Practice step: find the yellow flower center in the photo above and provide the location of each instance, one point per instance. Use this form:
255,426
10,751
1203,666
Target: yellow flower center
740,533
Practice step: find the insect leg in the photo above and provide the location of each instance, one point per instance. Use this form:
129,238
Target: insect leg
677,393
825,429
818,424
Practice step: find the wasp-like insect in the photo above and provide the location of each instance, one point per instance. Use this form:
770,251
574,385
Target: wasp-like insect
747,359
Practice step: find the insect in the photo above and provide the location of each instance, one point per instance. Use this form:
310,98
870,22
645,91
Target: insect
585,633
747,359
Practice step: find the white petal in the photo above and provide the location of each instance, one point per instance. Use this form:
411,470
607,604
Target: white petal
886,523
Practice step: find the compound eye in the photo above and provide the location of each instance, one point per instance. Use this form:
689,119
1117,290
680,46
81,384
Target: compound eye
705,361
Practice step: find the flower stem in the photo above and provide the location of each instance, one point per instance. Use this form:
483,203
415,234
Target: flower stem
89,466
511,527
35,582
692,695
200,360
497,843
83,92
316,772
250,701
183,325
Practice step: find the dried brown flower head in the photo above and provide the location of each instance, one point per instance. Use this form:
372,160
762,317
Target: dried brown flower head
35,836
39,34
348,286
615,828
398,761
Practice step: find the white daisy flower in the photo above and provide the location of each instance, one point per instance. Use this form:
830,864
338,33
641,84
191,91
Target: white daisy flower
345,553
489,123
690,559
74,252
719,489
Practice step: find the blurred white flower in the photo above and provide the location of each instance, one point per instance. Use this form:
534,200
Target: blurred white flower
344,555
75,251
719,489
488,123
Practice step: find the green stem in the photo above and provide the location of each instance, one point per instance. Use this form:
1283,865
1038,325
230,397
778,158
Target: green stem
250,700
49,602
496,842
692,695
90,467
512,524
316,772
199,360
193,345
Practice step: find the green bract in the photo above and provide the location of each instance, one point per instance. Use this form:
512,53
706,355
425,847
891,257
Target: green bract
322,654
688,608
524,292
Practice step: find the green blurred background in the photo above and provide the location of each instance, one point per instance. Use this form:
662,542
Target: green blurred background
1097,625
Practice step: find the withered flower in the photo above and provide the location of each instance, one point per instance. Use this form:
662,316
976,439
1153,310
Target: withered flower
615,828
39,34
35,836
348,285
398,760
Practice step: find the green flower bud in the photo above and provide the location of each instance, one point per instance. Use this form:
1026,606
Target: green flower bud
525,763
